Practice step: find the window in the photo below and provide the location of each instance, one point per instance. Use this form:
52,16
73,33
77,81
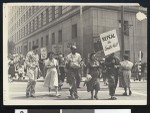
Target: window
53,38
21,49
19,22
26,15
74,31
33,8
29,46
33,43
126,28
24,18
37,42
42,42
47,15
30,27
127,52
33,24
37,22
53,12
47,40
27,29
59,11
24,31
41,19
19,34
59,36
29,12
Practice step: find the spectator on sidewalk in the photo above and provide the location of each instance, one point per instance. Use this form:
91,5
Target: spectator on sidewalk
11,69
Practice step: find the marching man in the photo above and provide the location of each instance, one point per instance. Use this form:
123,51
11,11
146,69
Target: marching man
73,65
32,64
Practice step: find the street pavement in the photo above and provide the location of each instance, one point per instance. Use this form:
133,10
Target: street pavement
17,91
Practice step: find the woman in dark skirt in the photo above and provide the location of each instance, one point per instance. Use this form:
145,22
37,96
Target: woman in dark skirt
11,70
94,70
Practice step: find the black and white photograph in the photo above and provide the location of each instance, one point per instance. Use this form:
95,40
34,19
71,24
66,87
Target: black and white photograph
74,54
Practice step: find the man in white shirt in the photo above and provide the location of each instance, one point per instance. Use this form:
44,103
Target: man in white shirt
73,65
32,64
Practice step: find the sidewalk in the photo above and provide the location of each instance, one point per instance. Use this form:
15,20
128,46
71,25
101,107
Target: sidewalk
41,79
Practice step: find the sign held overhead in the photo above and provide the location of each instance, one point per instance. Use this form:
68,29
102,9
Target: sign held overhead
110,42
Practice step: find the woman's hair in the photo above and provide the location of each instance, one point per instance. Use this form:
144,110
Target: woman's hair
50,53
126,57
91,55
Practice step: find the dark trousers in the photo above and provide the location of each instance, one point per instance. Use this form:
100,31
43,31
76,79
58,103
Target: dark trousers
73,77
113,81
62,74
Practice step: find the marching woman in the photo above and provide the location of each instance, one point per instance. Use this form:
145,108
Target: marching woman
51,79
93,69
126,66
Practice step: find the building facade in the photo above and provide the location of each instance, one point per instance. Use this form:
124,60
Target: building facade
65,25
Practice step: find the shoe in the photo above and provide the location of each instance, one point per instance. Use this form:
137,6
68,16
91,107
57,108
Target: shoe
130,93
113,98
72,97
77,97
92,98
33,96
70,92
96,97
57,95
124,94
27,95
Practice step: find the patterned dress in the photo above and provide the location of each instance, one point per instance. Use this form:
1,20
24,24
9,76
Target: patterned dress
95,73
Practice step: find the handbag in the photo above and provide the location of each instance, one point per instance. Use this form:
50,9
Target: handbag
88,78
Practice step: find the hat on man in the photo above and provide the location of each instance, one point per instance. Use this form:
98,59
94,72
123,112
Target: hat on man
73,47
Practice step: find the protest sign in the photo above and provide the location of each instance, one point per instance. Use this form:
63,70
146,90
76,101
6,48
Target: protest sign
57,49
110,42
67,46
43,53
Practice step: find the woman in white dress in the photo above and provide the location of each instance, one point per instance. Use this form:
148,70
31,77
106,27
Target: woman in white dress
51,79
126,66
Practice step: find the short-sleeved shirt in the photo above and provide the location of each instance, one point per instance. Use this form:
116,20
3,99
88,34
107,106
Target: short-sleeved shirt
74,59
127,65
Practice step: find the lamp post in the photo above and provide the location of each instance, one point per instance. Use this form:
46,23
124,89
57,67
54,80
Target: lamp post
81,30
122,31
